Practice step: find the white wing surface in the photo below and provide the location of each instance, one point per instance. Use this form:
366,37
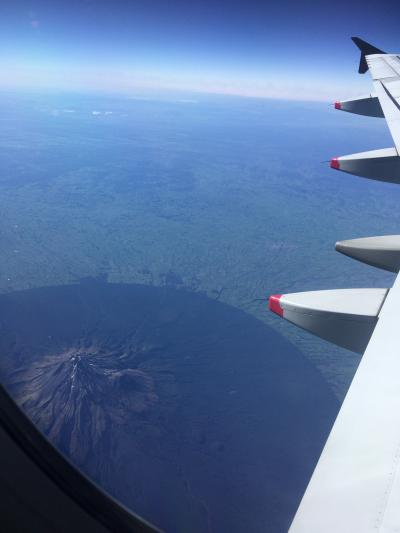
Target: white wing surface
355,487
385,71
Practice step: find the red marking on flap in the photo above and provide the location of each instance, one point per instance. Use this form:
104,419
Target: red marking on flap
274,304
335,163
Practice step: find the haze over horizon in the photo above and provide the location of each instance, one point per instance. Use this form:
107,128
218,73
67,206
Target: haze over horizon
271,49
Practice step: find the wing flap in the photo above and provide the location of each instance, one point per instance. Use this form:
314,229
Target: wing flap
381,252
380,165
346,317
363,105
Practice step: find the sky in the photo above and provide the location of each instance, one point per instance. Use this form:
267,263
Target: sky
279,49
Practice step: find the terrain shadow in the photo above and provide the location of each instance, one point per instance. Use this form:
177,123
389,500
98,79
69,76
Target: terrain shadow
191,412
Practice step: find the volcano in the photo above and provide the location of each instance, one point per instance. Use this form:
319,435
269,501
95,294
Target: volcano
193,413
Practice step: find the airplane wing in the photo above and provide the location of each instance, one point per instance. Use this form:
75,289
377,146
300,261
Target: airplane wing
355,487
385,71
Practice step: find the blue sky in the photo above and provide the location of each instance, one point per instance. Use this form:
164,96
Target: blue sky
296,50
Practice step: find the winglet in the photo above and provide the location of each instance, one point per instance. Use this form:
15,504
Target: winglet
365,49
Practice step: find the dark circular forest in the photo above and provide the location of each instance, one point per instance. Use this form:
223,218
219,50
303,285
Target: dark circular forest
193,413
